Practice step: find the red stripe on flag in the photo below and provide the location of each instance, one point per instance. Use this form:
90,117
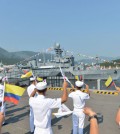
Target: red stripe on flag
111,84
10,99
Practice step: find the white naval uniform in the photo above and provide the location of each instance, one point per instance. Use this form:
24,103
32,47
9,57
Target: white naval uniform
2,108
30,89
78,115
42,109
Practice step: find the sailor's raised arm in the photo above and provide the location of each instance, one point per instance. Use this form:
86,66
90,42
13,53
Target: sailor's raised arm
93,120
33,93
117,118
117,88
1,120
87,89
65,93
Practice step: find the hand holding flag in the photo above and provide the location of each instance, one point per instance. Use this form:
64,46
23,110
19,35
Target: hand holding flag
64,77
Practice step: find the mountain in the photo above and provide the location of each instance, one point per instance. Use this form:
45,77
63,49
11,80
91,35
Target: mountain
8,58
15,57
23,54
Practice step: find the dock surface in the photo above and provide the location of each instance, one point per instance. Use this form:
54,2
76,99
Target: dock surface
17,117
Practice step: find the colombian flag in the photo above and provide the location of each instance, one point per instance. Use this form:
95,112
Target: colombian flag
27,75
109,82
13,93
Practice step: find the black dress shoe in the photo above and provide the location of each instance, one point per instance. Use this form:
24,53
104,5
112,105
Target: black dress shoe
5,123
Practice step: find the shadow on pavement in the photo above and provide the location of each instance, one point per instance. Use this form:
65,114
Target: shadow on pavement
6,133
17,118
28,132
55,120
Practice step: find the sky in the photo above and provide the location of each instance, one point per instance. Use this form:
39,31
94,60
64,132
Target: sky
90,27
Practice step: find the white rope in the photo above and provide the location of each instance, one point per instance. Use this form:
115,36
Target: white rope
94,58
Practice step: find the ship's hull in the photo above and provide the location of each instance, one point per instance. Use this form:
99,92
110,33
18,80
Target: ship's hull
98,74
86,74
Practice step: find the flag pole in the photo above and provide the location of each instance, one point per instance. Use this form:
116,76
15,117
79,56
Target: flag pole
114,84
64,77
32,73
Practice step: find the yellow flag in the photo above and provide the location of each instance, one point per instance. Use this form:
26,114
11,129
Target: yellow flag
109,81
28,74
39,79
76,77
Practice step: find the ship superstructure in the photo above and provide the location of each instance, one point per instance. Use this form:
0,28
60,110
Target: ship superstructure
50,69
67,63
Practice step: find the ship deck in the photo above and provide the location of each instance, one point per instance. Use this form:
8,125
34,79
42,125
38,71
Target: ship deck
17,117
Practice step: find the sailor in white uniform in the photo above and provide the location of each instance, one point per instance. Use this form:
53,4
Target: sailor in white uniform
30,89
42,107
79,103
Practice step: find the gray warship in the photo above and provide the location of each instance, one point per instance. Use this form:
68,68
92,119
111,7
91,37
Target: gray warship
67,63
50,69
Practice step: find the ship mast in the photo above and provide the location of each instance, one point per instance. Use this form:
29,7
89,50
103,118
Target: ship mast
58,50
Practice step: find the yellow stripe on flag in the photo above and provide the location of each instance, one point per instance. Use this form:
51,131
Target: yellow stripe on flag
14,89
28,74
109,81
76,77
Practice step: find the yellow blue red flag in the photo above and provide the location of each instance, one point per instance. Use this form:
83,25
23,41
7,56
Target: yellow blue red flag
109,82
13,93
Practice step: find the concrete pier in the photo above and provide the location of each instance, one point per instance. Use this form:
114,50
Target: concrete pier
17,117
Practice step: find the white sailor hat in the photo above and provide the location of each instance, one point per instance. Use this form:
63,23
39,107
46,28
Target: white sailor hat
41,85
1,77
79,83
32,78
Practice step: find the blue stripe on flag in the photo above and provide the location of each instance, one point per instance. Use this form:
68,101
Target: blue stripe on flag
13,96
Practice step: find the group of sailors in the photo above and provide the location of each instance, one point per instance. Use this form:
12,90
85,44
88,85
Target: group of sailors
41,107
